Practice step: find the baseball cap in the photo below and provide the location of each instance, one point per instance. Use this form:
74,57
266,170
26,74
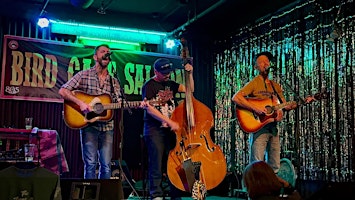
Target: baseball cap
163,65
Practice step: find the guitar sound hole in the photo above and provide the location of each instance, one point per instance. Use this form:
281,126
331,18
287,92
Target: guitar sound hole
98,108
269,110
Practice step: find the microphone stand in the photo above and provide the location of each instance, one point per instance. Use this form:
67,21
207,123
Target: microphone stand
299,99
297,131
124,100
121,130
123,95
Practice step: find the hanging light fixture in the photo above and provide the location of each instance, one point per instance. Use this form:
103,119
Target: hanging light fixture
43,21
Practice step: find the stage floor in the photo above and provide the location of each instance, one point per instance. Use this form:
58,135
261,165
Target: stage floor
237,195
189,198
309,190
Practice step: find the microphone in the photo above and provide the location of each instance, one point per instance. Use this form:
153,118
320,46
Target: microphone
107,56
270,67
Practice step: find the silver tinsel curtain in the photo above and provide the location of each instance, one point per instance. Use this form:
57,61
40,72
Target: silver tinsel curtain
313,42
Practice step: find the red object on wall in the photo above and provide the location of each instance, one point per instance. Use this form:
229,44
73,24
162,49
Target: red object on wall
49,151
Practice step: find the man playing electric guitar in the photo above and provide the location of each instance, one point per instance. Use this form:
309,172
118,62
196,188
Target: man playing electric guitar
265,142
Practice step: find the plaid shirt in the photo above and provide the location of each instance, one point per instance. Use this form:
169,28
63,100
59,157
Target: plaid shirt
88,81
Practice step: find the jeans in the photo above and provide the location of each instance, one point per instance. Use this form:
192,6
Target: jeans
158,144
96,146
265,146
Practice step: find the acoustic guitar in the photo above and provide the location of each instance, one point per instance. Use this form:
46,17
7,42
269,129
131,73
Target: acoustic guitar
251,122
101,106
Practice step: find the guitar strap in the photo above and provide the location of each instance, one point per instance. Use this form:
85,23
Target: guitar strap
277,94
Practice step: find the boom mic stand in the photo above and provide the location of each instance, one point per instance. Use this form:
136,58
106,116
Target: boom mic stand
299,99
124,104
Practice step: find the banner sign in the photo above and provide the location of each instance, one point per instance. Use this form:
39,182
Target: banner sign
35,69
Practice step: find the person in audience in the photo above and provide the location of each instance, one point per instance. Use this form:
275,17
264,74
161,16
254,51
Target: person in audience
262,183
97,137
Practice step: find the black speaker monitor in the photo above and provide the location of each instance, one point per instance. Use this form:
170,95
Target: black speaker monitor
93,189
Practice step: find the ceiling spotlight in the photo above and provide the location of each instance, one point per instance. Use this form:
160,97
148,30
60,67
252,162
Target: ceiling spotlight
170,44
43,22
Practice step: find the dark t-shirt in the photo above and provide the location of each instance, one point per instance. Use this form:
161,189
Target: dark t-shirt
36,183
159,92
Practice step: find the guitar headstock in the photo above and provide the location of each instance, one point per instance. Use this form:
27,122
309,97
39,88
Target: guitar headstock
184,49
184,52
316,97
321,95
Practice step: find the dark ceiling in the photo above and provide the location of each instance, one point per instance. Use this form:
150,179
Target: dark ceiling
217,18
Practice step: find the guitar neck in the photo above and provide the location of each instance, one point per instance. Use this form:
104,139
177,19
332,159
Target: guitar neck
317,96
283,105
125,104
129,104
188,93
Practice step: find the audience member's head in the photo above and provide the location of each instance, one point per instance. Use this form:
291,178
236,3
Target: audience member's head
260,180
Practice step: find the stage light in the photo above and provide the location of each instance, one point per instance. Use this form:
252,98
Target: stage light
43,22
106,32
112,43
170,43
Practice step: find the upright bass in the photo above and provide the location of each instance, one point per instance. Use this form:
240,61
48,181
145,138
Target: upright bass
196,163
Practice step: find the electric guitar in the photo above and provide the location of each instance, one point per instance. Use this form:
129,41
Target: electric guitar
251,122
101,107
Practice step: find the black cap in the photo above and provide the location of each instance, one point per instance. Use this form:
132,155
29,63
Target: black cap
163,65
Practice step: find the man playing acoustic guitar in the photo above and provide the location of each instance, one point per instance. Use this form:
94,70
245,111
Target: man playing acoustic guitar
97,137
264,142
